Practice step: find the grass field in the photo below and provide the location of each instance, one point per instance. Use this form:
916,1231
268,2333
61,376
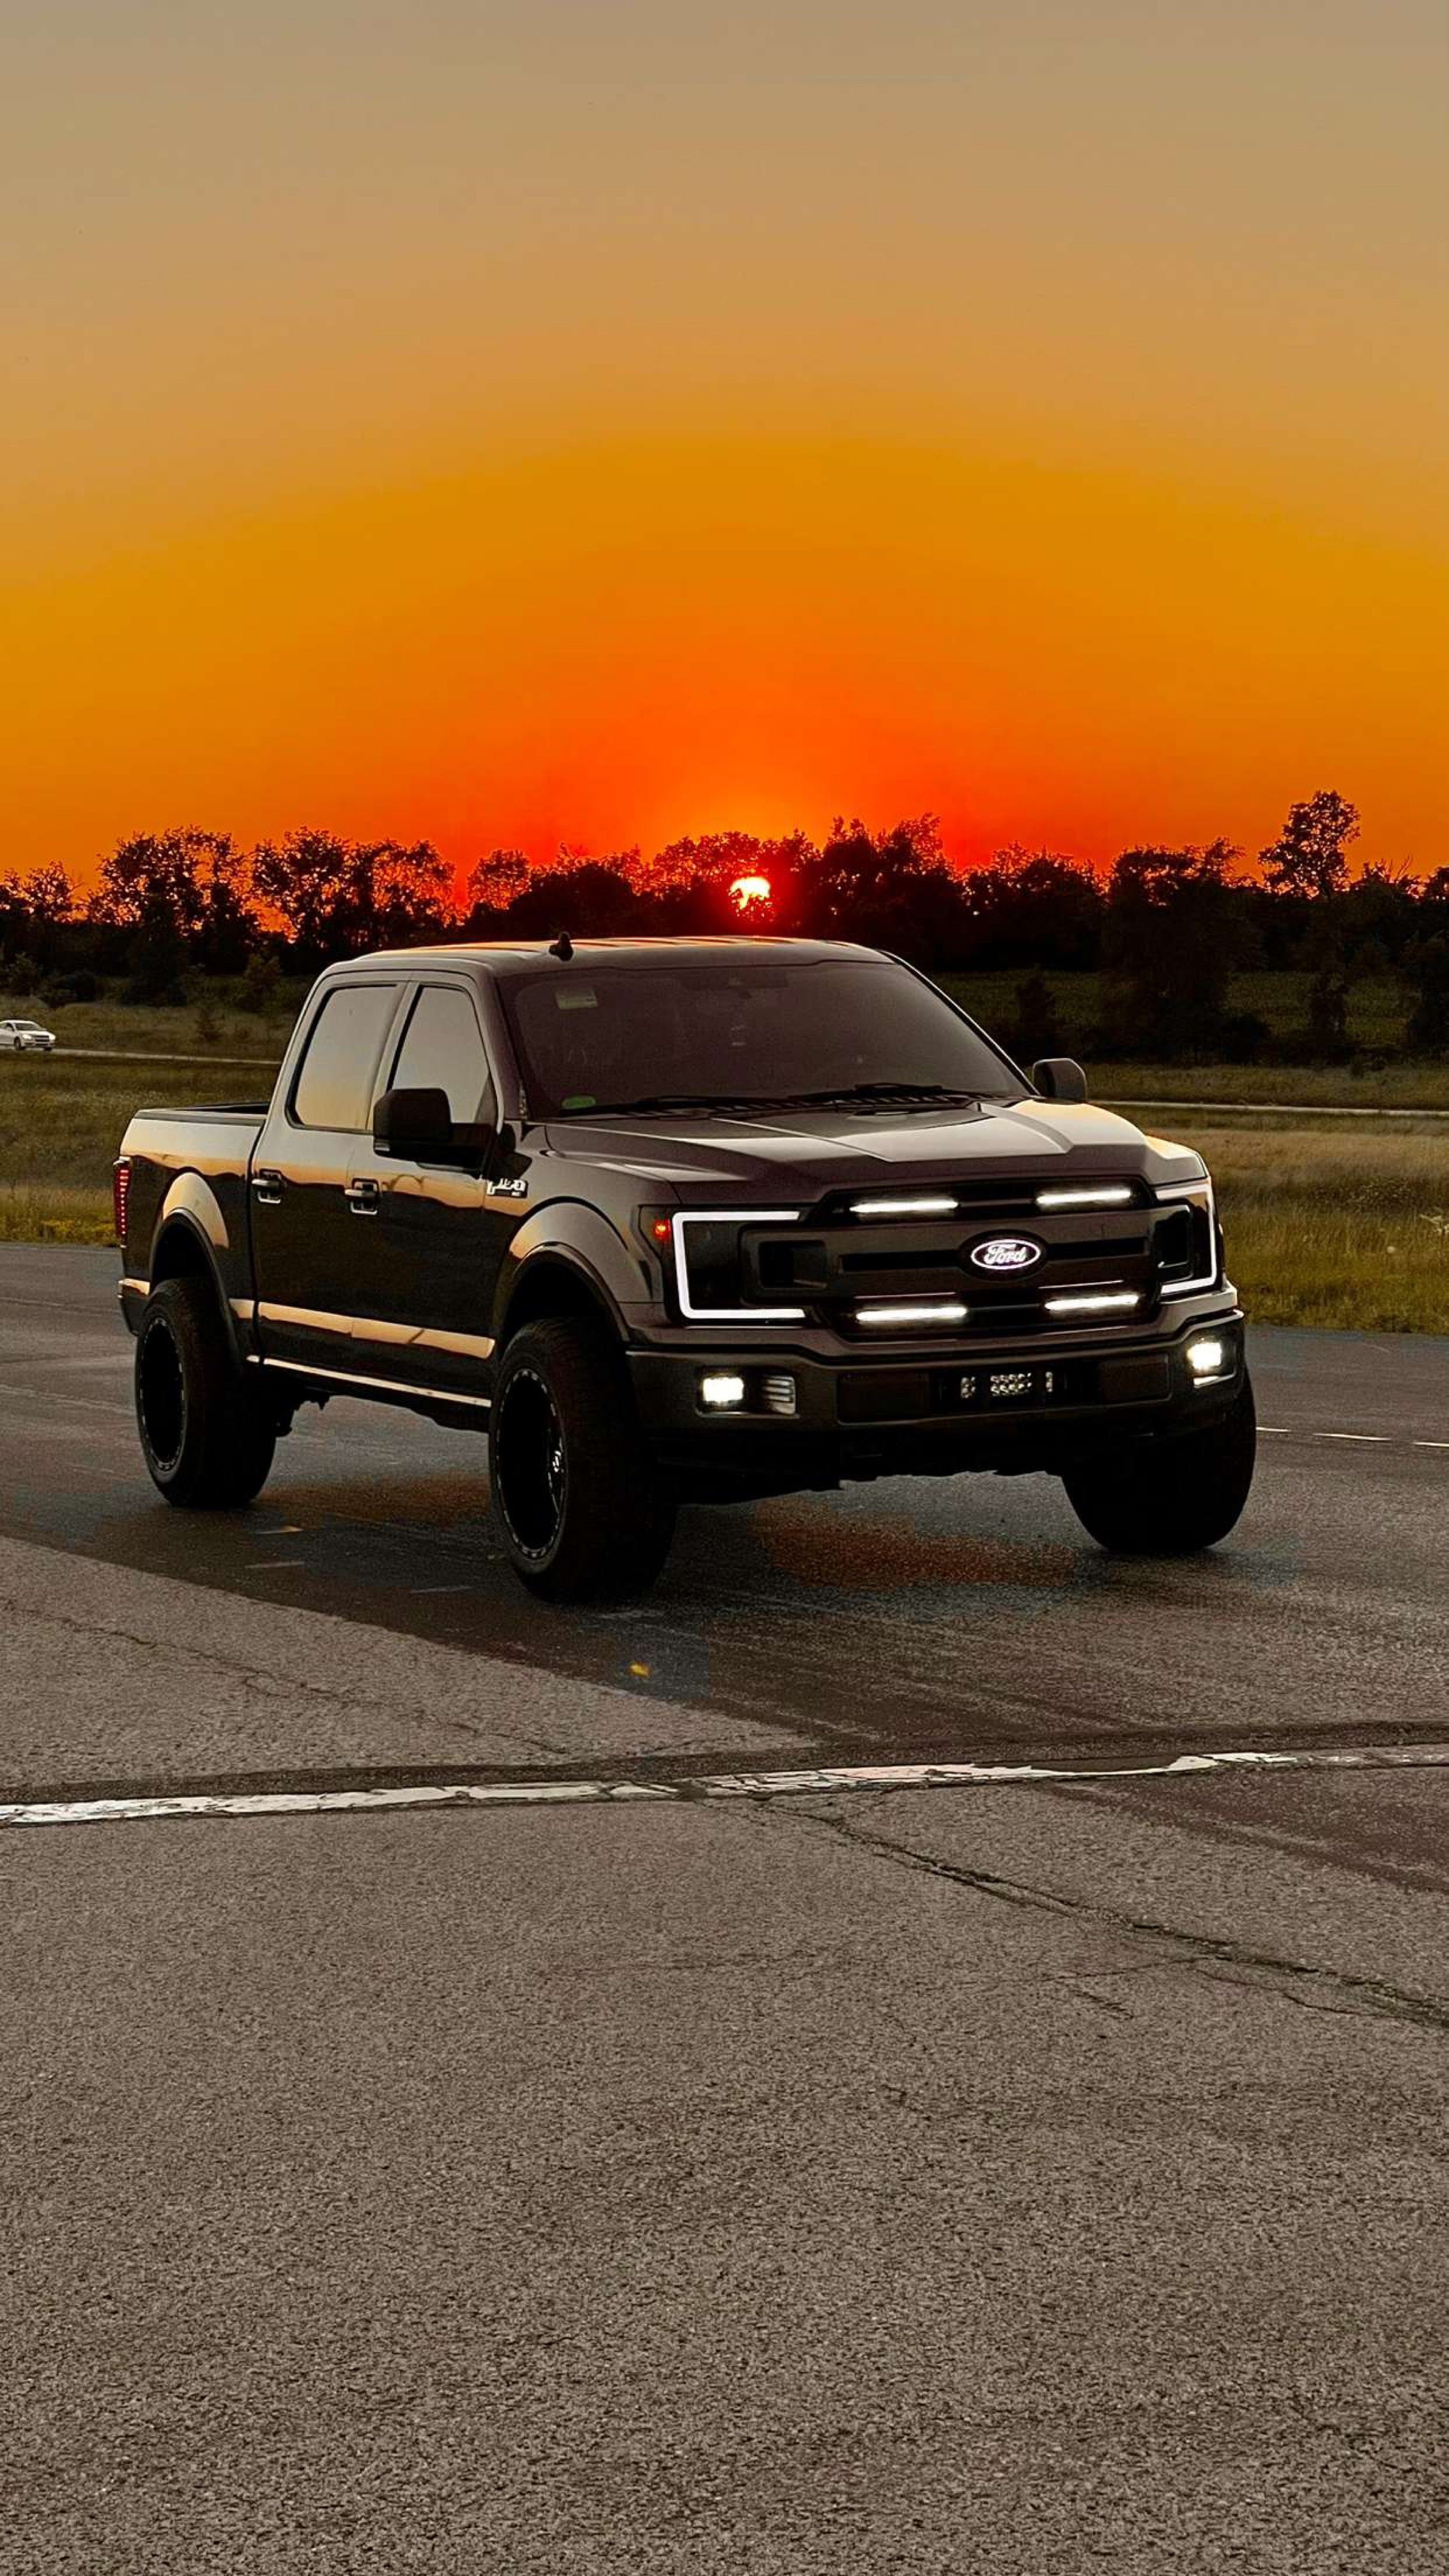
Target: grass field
1348,1227
205,1028
61,1122
1345,1231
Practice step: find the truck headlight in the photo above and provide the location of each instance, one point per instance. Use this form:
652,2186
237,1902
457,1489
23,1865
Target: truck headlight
721,1390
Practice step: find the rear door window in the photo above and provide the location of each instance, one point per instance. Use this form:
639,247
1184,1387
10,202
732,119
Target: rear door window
334,1086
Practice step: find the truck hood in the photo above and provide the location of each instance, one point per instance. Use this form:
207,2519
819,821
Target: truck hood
805,1152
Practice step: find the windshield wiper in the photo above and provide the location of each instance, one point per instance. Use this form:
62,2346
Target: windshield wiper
888,1093
864,1095
672,1100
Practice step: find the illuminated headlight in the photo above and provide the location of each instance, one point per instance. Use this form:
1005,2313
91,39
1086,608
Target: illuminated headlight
1207,1357
721,1390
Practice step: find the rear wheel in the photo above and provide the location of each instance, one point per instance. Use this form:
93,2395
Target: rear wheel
1171,1496
579,1505
207,1436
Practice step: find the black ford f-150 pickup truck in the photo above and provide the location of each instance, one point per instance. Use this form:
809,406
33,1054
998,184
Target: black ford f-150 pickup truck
683,1220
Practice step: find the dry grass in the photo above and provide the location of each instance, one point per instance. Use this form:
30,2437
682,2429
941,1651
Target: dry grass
1342,1230
1305,1086
37,1214
213,1026
62,1118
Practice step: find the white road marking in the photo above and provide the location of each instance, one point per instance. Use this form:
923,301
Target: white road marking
273,1564
1371,1439
826,1781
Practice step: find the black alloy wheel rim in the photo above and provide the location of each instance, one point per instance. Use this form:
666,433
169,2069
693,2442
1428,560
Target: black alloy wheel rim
530,1463
163,1395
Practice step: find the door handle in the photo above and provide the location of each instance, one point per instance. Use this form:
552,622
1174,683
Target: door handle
362,1197
268,1188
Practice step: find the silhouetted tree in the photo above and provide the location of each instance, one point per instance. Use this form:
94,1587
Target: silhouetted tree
304,881
493,884
1173,939
1035,907
339,898
1308,856
34,911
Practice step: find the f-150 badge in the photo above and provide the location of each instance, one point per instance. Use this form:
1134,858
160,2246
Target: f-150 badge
508,1189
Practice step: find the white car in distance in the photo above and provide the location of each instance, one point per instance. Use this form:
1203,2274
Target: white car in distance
21,1036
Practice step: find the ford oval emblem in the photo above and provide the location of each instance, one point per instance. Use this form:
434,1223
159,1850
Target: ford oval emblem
1005,1252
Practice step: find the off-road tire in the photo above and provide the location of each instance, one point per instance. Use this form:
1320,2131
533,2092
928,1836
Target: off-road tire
207,1436
579,1506
1172,1495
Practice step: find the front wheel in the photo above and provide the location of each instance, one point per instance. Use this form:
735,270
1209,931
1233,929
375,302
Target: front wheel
1170,1496
578,1502
206,1435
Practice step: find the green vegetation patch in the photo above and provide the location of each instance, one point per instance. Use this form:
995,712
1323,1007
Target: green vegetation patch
1348,1231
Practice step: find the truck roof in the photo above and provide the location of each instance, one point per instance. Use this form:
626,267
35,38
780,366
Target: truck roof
521,956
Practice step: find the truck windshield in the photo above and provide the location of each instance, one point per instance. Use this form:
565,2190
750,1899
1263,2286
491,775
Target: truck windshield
694,1031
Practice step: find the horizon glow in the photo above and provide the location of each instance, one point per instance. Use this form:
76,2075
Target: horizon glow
512,427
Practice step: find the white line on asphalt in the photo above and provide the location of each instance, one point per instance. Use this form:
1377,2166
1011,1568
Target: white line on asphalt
1374,1439
826,1781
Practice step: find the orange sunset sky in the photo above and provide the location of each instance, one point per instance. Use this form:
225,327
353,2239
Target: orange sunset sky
598,420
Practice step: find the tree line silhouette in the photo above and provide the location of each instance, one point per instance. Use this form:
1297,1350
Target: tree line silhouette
1167,929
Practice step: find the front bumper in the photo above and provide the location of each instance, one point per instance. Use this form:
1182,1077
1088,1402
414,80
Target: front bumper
925,1409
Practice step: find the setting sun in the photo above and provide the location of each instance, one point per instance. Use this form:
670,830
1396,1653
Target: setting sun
749,890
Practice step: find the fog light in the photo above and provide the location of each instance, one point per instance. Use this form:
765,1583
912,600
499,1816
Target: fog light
1207,1358
780,1395
722,1391
1010,1382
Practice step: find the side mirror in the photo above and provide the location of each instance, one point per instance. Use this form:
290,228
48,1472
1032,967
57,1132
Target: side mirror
1060,1077
416,1123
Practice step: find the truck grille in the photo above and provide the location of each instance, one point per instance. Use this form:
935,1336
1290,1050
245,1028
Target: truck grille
862,1269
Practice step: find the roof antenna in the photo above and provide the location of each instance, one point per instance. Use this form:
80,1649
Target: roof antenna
562,947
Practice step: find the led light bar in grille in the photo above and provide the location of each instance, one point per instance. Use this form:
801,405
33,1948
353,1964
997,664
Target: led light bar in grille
945,1310
904,1207
1106,1194
1105,1301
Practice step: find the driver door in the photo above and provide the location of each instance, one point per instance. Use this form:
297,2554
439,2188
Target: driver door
430,1237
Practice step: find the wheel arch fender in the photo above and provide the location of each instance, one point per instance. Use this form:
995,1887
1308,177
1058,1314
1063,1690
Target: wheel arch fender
191,1242
565,1259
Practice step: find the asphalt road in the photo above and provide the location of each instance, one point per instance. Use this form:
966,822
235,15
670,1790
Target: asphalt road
1001,2179
902,1618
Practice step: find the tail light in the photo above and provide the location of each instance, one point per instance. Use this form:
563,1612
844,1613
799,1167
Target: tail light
120,1195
